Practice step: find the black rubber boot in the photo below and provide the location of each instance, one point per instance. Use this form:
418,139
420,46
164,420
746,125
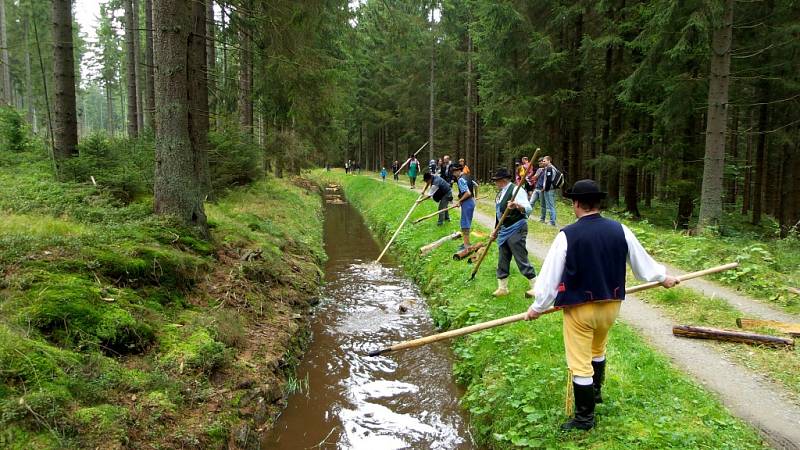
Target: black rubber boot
597,378
584,409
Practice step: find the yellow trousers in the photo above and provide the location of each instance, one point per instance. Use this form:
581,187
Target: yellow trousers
586,333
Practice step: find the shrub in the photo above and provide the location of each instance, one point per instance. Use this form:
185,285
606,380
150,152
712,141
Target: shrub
232,160
13,130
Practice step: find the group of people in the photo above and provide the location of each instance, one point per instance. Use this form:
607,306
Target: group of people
583,273
351,166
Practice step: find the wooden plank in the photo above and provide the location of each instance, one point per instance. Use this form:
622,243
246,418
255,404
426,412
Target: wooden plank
458,256
425,249
792,329
731,336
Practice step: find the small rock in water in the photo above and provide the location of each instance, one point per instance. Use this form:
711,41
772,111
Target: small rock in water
405,305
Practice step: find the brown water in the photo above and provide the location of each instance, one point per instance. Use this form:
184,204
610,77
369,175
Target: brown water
352,401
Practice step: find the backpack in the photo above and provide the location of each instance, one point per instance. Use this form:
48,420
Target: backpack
558,179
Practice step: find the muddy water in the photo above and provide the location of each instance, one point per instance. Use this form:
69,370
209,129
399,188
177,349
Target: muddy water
352,401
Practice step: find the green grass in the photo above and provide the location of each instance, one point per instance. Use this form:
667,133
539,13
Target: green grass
515,376
102,303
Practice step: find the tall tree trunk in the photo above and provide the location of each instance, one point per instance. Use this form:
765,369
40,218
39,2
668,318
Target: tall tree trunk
5,71
198,94
109,109
792,224
137,52
130,53
245,75
150,93
631,173
28,73
732,181
211,54
760,159
468,131
432,95
748,171
178,189
717,120
65,126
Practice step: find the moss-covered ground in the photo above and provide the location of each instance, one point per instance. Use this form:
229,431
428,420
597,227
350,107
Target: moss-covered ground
121,329
515,376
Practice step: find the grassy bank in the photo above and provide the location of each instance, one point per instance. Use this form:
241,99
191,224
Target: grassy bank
515,375
118,328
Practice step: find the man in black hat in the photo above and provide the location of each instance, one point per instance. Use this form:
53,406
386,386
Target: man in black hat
513,232
584,273
441,192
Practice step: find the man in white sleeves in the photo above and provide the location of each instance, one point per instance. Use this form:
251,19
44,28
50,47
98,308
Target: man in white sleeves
584,273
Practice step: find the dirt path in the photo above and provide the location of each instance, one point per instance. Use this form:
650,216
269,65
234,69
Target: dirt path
748,396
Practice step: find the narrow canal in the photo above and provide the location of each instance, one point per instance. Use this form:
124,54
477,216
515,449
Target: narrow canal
348,400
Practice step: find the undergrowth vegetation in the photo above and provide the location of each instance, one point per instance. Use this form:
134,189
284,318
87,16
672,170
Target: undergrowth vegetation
515,375
118,327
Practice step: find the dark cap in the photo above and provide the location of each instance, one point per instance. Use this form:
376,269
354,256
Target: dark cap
500,174
456,167
584,189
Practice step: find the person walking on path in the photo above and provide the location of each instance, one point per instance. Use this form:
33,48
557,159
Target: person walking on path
512,234
550,174
466,201
383,173
538,184
347,166
584,273
413,170
395,169
444,170
441,193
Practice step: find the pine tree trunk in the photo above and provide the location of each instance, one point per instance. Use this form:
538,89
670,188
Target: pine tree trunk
198,94
468,130
137,52
748,171
150,93
211,53
109,109
130,54
28,73
717,120
760,159
732,182
5,72
432,97
245,76
178,189
65,125
631,173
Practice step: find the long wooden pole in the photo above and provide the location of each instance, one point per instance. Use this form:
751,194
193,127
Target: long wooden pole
437,212
493,237
410,211
518,317
409,159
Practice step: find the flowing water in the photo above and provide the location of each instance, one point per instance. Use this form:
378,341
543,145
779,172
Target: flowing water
348,400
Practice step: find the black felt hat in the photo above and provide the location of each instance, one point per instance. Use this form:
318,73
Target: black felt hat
500,174
584,189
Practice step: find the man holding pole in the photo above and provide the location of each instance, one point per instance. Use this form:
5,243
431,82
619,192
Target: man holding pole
513,232
584,273
466,201
441,193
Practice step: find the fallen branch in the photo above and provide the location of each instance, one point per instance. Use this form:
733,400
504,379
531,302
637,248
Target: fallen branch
792,329
425,249
731,336
458,256
793,290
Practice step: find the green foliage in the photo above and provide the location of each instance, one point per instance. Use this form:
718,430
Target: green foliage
514,375
233,161
13,130
123,167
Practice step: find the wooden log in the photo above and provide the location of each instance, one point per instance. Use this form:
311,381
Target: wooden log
409,159
684,277
731,336
792,329
434,214
405,219
425,249
458,256
793,290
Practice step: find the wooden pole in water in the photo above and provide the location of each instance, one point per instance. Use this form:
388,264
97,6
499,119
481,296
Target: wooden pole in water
437,212
413,207
518,317
493,237
409,159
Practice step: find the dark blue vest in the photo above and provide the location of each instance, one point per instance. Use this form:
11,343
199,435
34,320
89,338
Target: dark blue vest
595,266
